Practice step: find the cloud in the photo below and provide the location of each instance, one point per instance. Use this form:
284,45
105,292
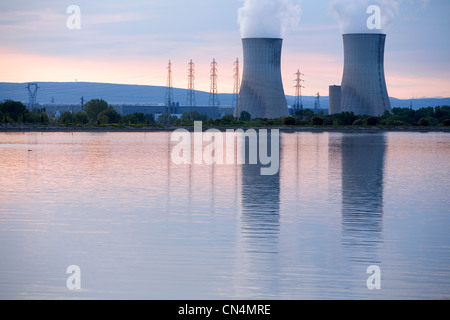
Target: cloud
268,18
352,14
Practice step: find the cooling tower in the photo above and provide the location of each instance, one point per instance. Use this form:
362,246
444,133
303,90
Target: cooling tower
364,89
262,93
335,100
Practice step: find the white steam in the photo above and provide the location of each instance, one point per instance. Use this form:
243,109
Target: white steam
268,18
352,15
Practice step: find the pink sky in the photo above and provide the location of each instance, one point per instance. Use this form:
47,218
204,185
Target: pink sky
321,70
132,44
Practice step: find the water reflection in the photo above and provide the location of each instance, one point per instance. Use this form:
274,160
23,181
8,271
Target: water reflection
260,203
259,230
260,208
362,194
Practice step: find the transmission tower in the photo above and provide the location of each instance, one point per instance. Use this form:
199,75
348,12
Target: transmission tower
213,94
298,104
190,101
169,89
32,92
237,83
317,104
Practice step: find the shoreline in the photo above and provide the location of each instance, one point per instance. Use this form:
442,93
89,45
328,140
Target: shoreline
42,129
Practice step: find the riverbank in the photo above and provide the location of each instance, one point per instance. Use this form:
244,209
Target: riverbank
286,129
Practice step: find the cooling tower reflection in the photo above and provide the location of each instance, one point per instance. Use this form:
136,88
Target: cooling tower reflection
259,230
362,194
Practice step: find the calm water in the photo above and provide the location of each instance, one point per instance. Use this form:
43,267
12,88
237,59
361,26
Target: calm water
141,227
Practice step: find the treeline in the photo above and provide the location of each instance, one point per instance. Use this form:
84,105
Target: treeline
98,112
14,111
399,117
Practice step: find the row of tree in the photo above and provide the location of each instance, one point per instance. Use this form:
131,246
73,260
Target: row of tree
424,117
14,111
98,112
399,117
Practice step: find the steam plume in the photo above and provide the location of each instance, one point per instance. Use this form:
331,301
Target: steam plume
352,14
268,18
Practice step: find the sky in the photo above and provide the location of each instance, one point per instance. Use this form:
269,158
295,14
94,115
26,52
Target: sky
131,42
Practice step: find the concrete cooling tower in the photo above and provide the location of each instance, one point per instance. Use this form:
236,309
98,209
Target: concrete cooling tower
363,89
335,99
262,93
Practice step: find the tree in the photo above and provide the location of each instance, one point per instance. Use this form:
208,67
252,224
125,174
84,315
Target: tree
135,118
65,118
81,117
108,116
37,117
304,114
424,122
195,115
150,118
13,109
94,107
446,123
166,118
245,116
317,121
227,119
345,118
289,121
372,121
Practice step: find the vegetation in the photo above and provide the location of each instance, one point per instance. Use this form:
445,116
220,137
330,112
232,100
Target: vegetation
17,112
166,118
94,107
99,113
245,116
425,117
108,116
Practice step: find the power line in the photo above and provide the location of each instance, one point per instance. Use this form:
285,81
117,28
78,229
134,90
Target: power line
237,83
298,104
169,89
190,101
213,95
32,92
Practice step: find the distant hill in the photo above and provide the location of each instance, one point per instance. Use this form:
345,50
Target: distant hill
71,93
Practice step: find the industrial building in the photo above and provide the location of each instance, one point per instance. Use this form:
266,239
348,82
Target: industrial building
262,93
334,99
363,90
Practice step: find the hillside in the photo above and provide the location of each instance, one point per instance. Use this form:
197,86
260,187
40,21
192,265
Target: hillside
71,93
